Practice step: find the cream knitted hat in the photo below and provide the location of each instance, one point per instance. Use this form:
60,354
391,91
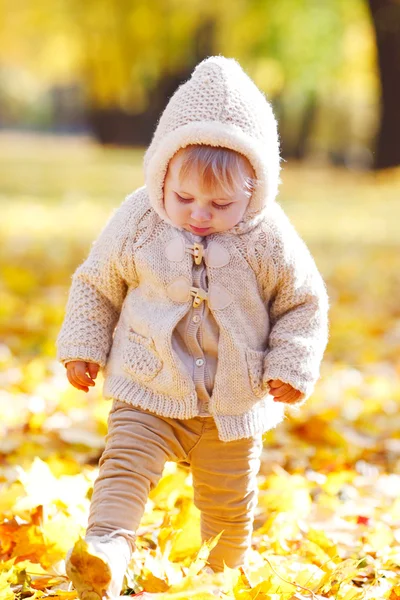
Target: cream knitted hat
220,106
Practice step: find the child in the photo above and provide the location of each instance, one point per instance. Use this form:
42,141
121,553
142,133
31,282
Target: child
207,314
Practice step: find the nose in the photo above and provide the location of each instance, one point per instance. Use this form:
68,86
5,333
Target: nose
201,215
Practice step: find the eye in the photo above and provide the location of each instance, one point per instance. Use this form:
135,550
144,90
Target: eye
183,200
222,206
189,200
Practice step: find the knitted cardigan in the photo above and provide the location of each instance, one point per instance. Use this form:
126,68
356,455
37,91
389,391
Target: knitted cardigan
264,289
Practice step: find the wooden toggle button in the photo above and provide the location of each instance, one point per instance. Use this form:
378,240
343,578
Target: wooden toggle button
199,296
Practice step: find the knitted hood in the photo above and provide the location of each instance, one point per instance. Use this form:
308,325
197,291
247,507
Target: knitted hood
220,106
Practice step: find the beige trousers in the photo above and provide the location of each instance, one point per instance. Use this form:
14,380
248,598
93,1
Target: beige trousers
139,443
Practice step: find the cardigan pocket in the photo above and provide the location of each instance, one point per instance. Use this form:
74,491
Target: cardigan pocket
255,366
140,357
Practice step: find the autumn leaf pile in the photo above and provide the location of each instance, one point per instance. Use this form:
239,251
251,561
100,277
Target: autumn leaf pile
328,518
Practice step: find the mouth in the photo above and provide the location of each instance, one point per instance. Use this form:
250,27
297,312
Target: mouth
199,229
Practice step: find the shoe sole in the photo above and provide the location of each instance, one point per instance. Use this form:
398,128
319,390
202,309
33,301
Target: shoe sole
89,573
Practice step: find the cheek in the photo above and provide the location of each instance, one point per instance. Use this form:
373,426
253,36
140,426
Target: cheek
233,215
169,204
232,218
175,210
241,209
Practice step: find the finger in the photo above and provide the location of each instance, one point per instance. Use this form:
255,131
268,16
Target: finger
93,370
80,375
77,383
70,366
290,396
274,383
296,397
281,391
73,382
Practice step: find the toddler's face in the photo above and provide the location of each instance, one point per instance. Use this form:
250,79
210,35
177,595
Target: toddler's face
190,207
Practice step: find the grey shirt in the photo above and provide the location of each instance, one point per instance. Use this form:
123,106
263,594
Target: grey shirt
195,338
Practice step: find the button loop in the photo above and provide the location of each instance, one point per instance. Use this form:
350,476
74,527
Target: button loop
199,296
197,250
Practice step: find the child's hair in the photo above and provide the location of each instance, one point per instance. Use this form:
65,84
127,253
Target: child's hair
218,168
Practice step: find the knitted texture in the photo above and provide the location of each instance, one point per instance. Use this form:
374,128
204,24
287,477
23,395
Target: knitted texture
272,321
275,327
220,106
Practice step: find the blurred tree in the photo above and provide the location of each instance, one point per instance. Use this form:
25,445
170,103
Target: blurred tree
130,55
133,57
386,18
293,49
316,61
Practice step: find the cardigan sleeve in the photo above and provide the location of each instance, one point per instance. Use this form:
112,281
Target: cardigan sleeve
298,308
96,295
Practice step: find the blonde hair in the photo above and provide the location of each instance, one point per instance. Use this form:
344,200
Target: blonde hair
218,167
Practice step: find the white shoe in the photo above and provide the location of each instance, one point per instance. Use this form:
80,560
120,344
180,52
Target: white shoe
96,566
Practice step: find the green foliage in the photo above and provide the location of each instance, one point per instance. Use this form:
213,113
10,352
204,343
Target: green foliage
120,49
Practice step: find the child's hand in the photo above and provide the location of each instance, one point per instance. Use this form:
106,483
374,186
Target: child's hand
76,373
283,392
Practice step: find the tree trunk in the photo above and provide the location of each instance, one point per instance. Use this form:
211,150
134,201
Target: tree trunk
386,19
116,126
295,133
306,125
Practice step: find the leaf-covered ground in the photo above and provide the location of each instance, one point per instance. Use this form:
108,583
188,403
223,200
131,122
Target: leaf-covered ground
328,520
